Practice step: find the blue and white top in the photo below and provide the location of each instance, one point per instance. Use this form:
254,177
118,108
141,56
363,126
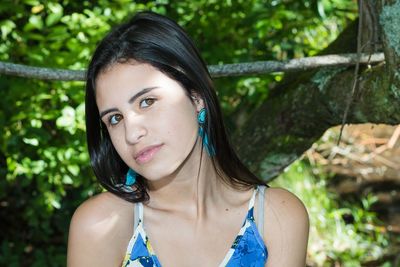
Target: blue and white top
248,249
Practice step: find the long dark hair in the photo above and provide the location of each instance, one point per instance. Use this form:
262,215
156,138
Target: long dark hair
159,41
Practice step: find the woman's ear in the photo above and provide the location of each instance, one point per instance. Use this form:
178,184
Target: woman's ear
197,100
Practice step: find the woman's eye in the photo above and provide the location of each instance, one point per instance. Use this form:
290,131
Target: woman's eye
114,119
147,102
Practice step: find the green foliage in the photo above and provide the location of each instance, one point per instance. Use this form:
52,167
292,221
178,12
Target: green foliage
44,165
342,233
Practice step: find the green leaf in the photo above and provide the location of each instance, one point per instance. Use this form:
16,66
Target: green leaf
74,169
31,2
38,166
35,22
31,141
6,27
67,180
52,19
56,13
53,200
58,33
67,119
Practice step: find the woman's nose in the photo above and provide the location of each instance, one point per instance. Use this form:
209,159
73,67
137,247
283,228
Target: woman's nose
134,129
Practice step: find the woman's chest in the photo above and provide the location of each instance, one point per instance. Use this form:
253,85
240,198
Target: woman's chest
184,243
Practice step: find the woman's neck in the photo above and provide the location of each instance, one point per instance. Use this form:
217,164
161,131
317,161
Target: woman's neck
191,189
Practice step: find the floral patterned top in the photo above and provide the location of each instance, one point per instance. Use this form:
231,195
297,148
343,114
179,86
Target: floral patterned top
248,249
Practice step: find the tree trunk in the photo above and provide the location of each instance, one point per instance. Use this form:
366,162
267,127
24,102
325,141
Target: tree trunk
305,105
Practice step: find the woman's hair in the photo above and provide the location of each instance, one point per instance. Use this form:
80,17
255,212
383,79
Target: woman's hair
159,41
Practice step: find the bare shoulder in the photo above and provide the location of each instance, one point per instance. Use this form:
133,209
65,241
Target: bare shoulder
288,205
102,207
102,222
286,227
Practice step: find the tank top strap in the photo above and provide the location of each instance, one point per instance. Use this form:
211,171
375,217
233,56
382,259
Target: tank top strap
138,213
253,198
250,212
260,213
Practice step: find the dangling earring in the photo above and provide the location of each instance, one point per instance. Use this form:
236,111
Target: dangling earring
130,177
201,118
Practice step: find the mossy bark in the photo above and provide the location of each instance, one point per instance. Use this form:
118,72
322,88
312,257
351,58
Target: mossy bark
305,105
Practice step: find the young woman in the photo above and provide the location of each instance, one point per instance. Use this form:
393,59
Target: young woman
177,194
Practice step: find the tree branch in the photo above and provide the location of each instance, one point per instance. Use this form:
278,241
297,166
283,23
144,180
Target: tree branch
305,105
41,73
239,69
301,64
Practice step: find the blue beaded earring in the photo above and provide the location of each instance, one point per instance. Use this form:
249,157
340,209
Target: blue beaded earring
201,118
130,177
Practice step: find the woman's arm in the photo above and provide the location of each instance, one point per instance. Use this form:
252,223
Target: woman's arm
286,227
99,232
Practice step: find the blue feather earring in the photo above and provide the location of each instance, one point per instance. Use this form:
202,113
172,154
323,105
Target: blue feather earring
201,118
130,177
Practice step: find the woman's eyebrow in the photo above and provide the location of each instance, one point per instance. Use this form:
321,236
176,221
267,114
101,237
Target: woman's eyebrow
131,100
141,92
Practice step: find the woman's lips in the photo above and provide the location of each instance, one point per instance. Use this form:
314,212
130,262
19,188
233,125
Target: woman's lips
147,154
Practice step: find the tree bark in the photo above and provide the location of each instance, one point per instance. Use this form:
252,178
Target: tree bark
306,104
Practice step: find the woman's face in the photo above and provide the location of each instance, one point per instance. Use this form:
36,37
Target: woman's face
150,118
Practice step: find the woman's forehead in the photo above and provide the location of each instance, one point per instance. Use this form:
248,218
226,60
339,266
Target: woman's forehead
125,80
132,76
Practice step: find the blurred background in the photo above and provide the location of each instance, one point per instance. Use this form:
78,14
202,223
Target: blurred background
351,189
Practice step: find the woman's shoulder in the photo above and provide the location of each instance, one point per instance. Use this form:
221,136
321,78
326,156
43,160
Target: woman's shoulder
106,208
286,228
102,206
101,222
284,201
